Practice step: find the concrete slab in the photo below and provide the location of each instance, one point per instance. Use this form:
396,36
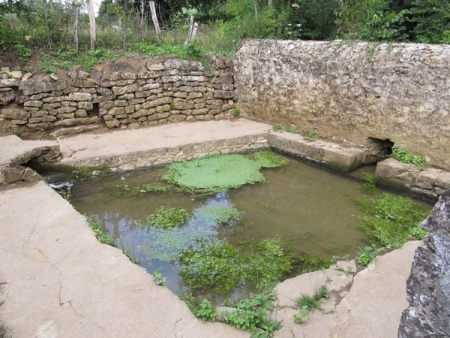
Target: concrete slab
61,282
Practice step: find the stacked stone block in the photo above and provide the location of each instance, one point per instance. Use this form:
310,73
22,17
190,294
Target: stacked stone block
164,91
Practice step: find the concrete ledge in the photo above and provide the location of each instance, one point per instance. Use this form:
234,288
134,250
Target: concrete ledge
429,182
15,152
327,153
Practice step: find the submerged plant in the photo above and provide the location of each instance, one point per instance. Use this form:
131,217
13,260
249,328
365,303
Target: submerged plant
220,214
168,218
392,220
223,267
269,159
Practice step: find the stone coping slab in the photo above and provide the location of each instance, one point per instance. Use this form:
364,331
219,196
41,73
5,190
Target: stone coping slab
57,280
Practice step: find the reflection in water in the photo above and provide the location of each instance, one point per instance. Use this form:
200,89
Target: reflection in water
309,207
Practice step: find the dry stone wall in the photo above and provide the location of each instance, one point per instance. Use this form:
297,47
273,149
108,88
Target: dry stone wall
162,91
351,91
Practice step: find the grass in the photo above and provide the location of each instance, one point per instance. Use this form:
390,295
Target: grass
290,129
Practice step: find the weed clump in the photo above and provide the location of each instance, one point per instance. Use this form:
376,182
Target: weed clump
222,267
168,218
99,232
220,214
403,155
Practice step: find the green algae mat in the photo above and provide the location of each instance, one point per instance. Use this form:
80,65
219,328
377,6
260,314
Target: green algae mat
222,172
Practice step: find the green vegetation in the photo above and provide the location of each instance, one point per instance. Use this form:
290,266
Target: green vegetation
308,303
168,218
369,183
222,267
312,135
206,311
158,278
98,229
368,254
236,112
152,188
220,172
220,214
268,159
391,220
252,315
45,28
405,156
290,129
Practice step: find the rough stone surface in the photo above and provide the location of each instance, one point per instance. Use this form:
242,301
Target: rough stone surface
121,99
351,91
428,286
428,182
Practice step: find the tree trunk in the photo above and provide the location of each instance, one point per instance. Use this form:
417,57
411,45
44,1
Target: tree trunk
142,12
76,27
91,13
256,9
191,28
270,3
155,19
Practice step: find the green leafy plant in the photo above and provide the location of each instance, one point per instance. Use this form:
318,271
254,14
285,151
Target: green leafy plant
24,52
368,254
369,183
158,278
221,267
347,271
405,156
252,315
312,135
322,292
307,303
168,218
392,220
206,311
98,229
289,129
236,112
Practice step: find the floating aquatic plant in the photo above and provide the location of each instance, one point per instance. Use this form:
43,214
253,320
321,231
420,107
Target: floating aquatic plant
221,172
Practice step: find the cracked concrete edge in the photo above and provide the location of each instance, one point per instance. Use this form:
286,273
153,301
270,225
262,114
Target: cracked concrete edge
60,279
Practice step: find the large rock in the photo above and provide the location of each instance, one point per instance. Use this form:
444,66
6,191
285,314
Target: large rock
428,286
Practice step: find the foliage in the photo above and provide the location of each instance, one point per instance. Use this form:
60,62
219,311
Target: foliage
220,172
369,183
168,218
220,214
223,267
152,187
405,156
392,220
98,229
206,311
236,112
307,303
290,129
312,135
269,159
252,315
158,278
431,20
368,254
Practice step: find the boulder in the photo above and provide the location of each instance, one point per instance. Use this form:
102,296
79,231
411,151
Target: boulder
428,287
